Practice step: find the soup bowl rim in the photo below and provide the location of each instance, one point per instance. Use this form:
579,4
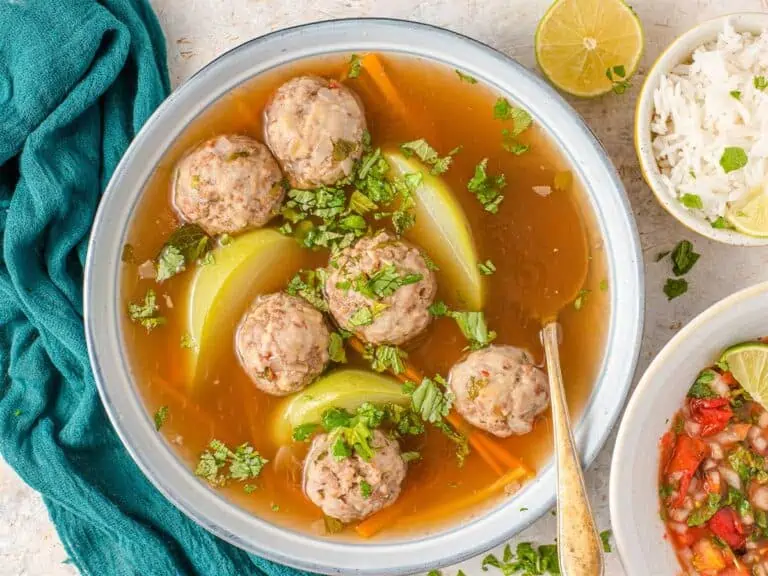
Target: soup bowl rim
103,314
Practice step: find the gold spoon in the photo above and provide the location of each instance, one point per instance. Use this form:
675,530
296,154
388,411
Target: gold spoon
579,546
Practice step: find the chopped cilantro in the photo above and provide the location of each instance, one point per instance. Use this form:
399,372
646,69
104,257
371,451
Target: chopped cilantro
675,287
617,76
733,158
428,155
486,268
384,282
511,144
438,309
503,110
683,258
332,525
308,284
434,573
274,507
474,328
735,94
336,351
250,488
748,465
526,560
581,298
244,463
692,201
128,255
603,285
702,515
429,262
361,317
355,66
360,203
466,77
721,223
487,188
303,432
605,538
410,456
386,358
161,416
760,82
188,244
701,387
187,341
432,400
146,313
365,489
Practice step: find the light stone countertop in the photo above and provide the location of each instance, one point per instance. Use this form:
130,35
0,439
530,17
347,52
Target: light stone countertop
199,30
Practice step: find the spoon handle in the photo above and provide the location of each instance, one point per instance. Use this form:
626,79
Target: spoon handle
579,546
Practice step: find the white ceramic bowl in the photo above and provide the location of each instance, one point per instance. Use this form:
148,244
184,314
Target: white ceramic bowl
634,496
677,52
398,555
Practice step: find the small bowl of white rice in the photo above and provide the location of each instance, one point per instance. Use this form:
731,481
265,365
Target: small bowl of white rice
701,129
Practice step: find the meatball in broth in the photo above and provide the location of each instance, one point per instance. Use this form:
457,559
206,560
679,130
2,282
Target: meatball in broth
315,128
381,289
499,390
351,488
282,343
228,184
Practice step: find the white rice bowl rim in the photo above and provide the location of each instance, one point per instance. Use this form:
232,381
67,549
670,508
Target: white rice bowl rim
678,52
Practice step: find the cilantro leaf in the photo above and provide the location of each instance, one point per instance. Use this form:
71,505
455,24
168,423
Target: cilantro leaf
438,309
161,416
704,513
683,258
184,247
384,282
511,144
361,317
432,400
487,188
617,76
605,538
465,77
692,201
735,94
581,299
721,223
336,351
733,158
701,388
303,432
360,203
386,357
486,268
760,82
146,312
335,418
365,489
355,66
428,155
308,284
675,287
474,328
244,463
342,149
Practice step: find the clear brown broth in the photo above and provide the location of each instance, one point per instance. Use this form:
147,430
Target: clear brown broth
535,242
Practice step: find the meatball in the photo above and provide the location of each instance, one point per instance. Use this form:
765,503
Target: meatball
228,184
351,488
315,128
499,390
282,343
397,289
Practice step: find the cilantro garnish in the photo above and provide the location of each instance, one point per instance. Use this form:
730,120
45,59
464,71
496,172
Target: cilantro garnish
146,313
355,66
735,94
386,357
617,76
428,155
526,560
303,432
692,201
365,489
336,351
721,223
242,463
161,416
342,150
308,284
701,387
486,268
187,341
384,282
683,258
605,538
188,244
472,324
581,298
760,82
733,158
487,188
465,77
675,287
704,513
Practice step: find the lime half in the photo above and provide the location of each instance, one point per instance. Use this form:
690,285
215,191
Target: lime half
748,362
589,47
750,217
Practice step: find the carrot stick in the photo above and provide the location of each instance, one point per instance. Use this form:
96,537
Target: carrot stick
373,66
386,517
489,450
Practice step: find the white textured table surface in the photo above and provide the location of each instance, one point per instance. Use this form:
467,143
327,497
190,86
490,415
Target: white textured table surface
199,30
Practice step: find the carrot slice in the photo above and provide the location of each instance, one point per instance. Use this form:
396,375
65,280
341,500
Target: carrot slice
374,68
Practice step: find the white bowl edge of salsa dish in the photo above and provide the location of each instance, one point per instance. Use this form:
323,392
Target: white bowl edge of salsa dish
634,500
680,51
113,376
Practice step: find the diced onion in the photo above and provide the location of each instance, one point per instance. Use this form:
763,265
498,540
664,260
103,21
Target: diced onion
731,477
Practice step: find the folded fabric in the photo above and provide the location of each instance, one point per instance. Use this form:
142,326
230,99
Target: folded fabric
78,78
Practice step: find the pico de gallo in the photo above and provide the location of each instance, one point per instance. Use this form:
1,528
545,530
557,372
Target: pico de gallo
713,479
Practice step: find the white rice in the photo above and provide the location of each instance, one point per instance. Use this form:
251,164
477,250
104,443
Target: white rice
696,117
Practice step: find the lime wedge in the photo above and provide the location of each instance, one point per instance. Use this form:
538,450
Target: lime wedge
748,362
346,389
578,41
443,231
255,263
750,217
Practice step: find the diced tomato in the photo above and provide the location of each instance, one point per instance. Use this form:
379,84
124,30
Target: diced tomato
690,536
727,525
667,445
712,413
740,430
686,457
728,379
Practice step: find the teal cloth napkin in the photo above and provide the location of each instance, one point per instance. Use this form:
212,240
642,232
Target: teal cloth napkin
78,78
